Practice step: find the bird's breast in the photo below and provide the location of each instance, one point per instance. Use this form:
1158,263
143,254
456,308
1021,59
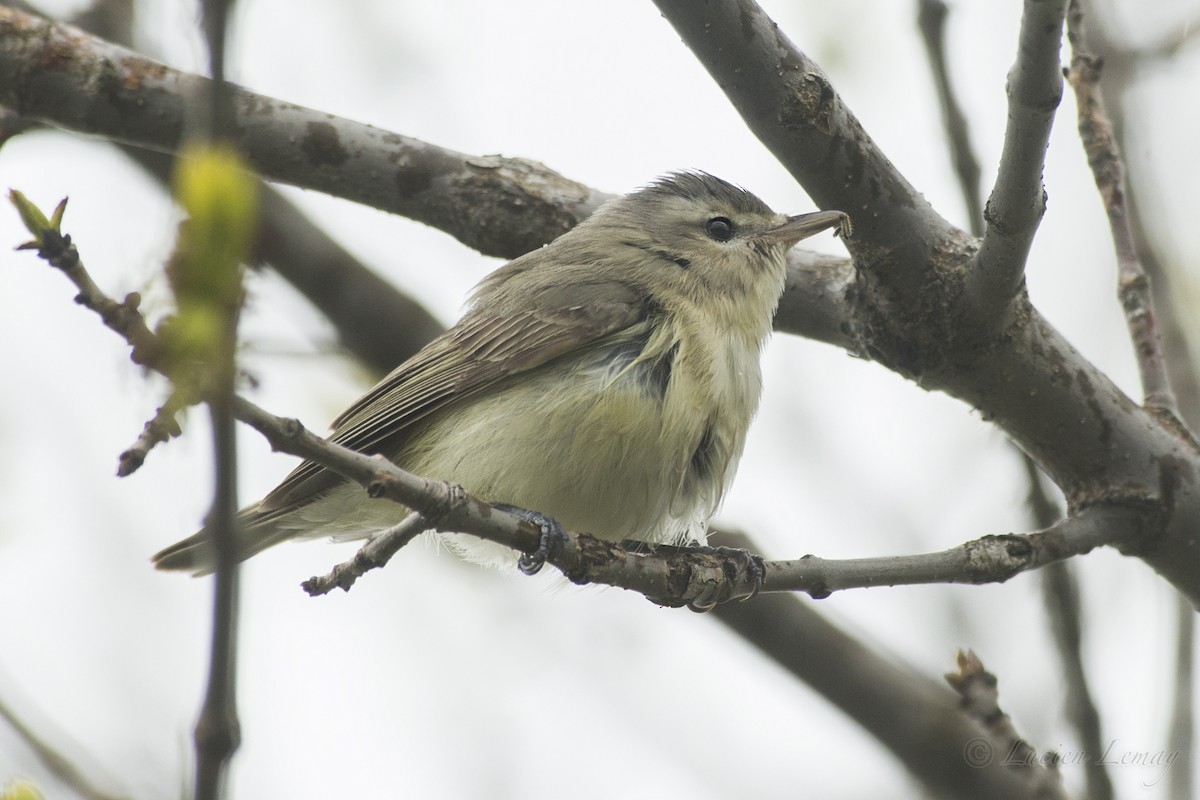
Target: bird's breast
636,438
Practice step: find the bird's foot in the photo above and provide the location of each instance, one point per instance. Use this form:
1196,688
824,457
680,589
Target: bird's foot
740,559
552,534
750,564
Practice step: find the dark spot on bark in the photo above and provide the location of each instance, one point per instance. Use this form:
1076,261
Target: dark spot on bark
810,105
746,21
412,179
1085,384
1093,404
1105,425
1169,479
323,146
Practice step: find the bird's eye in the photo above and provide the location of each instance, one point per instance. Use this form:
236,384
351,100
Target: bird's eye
719,229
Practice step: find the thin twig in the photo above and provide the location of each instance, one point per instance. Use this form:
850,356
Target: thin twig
981,702
1181,736
931,21
54,761
378,550
1173,311
991,559
218,730
1060,590
1061,593
1108,168
1018,200
160,428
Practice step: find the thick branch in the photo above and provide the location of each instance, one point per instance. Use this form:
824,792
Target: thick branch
99,88
501,206
376,322
815,302
790,105
916,718
1018,200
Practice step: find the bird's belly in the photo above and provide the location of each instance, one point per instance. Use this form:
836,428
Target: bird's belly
599,456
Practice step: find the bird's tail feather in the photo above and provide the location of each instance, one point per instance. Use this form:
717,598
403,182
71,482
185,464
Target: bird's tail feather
256,531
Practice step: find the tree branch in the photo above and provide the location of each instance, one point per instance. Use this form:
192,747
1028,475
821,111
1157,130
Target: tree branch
473,201
816,300
217,734
790,105
698,578
1018,200
58,74
931,21
992,559
1108,168
1058,581
54,761
910,306
1060,591
981,701
917,718
160,428
379,324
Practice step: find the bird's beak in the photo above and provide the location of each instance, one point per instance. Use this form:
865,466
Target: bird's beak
802,226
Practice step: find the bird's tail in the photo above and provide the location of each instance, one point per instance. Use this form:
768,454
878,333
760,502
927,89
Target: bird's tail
256,531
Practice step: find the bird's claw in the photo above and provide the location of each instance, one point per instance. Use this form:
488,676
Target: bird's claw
736,561
551,532
751,563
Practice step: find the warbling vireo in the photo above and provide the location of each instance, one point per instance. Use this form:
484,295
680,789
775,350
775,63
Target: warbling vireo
606,380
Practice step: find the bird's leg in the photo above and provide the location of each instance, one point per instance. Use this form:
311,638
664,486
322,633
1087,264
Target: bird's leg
532,563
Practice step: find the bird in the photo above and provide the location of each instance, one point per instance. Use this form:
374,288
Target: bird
605,381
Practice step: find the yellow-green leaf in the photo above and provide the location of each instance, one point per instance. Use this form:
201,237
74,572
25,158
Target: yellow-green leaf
220,197
21,789
34,220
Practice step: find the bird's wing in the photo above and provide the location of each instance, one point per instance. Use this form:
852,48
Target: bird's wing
483,348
